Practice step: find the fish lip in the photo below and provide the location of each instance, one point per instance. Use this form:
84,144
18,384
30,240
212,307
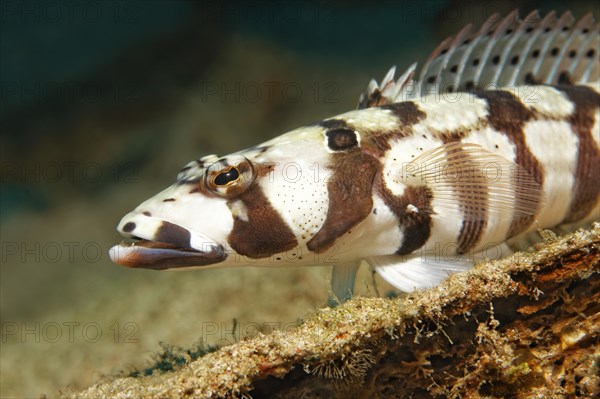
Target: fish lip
162,245
147,254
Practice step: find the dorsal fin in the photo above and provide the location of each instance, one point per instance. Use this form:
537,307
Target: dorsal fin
503,52
390,89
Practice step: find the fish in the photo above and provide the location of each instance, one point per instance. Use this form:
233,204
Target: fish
495,137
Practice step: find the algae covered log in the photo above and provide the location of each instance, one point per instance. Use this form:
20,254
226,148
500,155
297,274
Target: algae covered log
525,326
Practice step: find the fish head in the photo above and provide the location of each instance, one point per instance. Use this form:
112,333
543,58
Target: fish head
187,223
243,208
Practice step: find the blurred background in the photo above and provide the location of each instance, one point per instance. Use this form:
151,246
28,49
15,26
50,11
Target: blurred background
102,102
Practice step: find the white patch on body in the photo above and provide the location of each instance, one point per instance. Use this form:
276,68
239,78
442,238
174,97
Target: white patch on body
303,134
297,186
378,234
371,119
464,113
493,141
554,144
398,159
548,102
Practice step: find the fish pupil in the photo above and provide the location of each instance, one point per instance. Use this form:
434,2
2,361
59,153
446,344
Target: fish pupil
224,178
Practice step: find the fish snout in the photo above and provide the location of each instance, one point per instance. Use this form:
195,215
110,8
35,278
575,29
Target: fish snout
163,245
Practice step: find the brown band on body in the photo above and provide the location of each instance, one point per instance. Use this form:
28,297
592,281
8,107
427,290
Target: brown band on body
586,186
415,225
265,232
350,196
350,186
507,114
408,114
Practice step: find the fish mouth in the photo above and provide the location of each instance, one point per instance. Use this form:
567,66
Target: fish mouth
169,247
154,255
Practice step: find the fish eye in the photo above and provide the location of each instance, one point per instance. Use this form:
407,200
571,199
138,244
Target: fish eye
227,177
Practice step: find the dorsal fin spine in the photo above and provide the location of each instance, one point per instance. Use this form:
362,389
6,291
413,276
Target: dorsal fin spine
565,46
521,29
474,42
504,52
584,43
531,19
453,45
486,53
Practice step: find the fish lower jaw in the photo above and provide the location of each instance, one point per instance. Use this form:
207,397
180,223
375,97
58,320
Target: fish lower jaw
154,255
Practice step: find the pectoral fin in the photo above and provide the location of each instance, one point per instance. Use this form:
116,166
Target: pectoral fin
456,171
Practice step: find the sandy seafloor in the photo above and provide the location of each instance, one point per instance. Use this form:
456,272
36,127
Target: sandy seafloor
104,102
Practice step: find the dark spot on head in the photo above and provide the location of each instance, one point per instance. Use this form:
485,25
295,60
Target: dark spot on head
341,139
475,62
514,60
508,31
466,41
496,60
565,28
431,79
535,53
444,51
585,30
186,168
470,85
590,53
572,54
529,29
129,227
168,200
454,68
451,89
547,30
554,51
146,213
